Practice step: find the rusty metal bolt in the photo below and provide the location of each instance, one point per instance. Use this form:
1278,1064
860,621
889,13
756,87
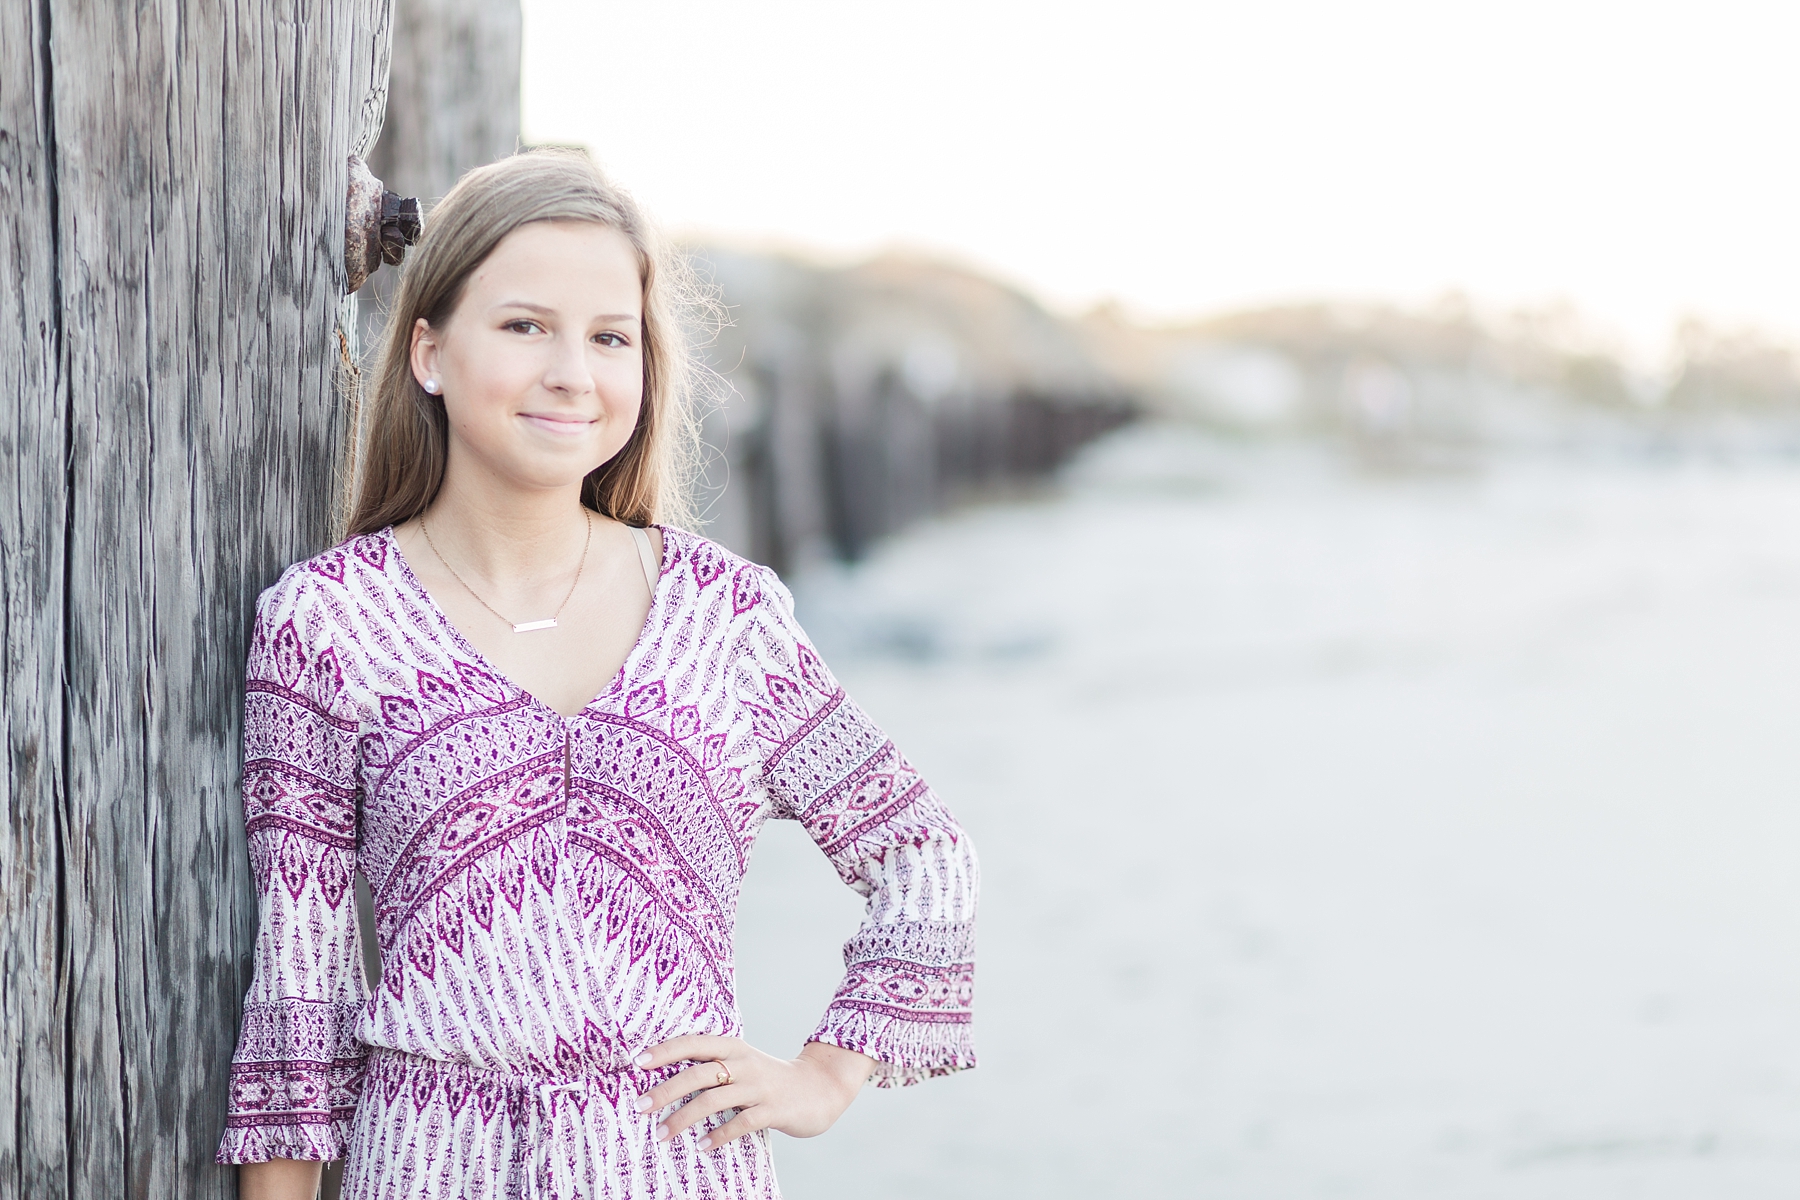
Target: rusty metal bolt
378,226
401,225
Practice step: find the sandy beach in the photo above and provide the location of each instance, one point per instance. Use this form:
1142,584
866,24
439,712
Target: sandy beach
1342,835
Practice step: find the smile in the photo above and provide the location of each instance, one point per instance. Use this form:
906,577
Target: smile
558,424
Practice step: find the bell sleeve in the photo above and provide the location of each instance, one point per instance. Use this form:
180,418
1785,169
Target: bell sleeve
906,997
297,1071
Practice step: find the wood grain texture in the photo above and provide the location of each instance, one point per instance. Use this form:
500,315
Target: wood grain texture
173,179
33,508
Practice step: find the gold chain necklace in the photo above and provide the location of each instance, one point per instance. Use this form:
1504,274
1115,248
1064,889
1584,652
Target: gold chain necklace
524,626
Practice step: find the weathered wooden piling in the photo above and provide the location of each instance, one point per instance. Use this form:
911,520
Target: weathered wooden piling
172,193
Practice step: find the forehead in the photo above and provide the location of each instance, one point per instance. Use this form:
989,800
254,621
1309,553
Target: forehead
572,265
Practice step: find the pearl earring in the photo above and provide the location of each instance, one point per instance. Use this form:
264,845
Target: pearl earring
431,385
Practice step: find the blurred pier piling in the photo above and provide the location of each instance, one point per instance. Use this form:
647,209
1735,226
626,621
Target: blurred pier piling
862,398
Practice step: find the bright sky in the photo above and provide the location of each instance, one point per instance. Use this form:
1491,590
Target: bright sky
1639,159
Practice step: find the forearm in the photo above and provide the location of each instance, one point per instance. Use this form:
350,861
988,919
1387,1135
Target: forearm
279,1179
845,1069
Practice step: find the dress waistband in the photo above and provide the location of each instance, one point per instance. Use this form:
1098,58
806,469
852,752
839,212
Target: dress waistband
518,1090
549,1114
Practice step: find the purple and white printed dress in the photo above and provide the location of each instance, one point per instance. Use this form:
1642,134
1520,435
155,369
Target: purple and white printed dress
555,894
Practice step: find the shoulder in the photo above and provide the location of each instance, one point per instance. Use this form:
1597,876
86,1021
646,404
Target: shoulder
748,605
314,589
707,575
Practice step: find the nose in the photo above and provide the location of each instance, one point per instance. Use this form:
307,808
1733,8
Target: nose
567,371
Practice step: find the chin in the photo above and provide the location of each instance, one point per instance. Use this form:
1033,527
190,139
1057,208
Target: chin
537,474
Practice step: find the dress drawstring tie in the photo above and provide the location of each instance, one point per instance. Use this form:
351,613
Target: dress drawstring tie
552,1126
539,1138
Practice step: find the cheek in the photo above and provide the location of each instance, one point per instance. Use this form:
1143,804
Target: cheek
468,415
485,377
621,386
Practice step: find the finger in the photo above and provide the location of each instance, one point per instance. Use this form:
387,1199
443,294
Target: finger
688,1046
712,1100
745,1122
700,1076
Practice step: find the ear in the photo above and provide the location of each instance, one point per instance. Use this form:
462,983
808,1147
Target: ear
424,353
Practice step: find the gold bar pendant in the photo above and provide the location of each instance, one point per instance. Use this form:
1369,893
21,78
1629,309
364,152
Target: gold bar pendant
528,626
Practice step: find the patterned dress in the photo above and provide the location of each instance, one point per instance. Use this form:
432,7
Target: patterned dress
555,894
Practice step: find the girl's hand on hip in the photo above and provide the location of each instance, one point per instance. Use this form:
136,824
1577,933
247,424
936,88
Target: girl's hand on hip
801,1097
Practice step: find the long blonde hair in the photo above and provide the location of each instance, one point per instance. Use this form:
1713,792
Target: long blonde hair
408,438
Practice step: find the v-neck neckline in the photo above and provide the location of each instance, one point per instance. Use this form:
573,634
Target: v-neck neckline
455,635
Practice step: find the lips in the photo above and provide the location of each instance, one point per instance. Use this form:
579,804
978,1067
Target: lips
559,424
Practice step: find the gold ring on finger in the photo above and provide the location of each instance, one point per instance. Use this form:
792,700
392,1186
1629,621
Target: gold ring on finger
724,1077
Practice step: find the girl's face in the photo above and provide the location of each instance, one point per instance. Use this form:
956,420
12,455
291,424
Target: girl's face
541,365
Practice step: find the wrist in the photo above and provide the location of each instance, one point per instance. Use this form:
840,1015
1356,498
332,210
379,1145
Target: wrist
847,1069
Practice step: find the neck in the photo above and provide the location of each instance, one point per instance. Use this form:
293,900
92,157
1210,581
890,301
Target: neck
507,533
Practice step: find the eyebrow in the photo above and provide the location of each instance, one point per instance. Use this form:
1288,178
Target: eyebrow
539,308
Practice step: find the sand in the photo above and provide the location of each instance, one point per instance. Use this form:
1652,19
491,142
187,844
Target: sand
1341,835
